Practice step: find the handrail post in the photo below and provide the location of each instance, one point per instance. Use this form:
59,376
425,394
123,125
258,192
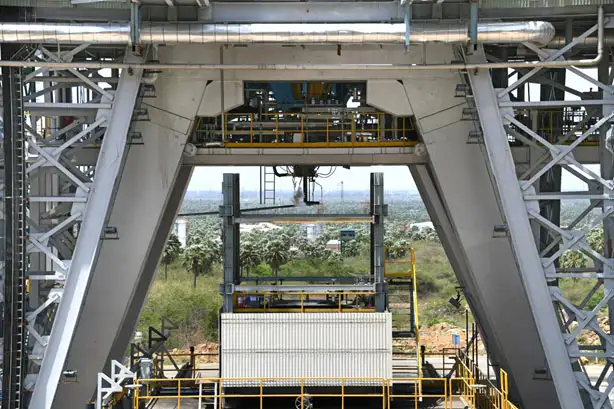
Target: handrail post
261,394
302,393
327,131
302,129
179,394
251,128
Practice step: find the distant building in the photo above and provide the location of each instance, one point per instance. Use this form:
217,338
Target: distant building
311,230
249,228
180,228
422,226
334,245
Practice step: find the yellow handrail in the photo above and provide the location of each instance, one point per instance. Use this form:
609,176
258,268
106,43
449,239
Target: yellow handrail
279,129
462,387
302,297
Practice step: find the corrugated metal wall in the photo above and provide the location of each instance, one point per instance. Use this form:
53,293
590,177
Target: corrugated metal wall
309,345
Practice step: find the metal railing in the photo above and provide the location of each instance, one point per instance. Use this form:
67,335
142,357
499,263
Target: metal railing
404,251
283,130
341,301
213,391
488,394
464,385
556,124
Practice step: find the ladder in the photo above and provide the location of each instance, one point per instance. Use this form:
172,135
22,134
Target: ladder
14,325
267,185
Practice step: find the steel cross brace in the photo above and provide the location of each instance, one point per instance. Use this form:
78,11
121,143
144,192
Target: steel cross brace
49,160
493,114
578,319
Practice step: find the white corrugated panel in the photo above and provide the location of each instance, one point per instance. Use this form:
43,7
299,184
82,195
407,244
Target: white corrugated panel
309,345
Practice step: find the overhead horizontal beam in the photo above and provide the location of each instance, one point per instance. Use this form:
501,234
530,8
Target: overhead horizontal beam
84,156
301,279
551,104
299,218
331,288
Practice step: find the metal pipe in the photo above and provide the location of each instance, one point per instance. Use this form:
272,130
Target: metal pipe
538,32
327,67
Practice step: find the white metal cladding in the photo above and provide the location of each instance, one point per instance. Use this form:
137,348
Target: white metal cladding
308,345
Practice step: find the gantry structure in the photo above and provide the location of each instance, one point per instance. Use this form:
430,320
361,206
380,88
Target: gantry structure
103,110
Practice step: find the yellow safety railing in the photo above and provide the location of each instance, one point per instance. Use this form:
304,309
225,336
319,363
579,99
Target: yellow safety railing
554,124
212,391
405,251
283,130
487,395
340,298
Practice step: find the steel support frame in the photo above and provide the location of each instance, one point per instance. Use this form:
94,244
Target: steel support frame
378,211
562,323
230,212
15,360
54,218
80,210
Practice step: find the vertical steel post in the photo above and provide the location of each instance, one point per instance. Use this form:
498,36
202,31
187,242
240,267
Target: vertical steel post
474,25
14,323
378,211
606,158
229,211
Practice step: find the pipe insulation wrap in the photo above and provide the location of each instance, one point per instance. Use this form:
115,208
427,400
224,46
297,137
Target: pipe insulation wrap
537,32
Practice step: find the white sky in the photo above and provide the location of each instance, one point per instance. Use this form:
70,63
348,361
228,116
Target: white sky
357,178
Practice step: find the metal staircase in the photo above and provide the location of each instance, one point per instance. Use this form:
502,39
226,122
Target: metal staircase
15,264
562,323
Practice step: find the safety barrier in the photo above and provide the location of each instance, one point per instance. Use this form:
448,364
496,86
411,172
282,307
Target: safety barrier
313,130
567,122
214,391
463,387
340,301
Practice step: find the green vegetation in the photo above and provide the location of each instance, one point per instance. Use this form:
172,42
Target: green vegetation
186,287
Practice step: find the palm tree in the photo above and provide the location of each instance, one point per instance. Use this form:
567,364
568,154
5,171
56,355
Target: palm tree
573,259
200,257
276,254
171,252
249,257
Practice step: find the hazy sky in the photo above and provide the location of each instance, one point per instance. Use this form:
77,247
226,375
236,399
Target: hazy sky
357,178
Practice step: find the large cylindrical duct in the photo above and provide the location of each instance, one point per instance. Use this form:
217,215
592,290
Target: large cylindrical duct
537,32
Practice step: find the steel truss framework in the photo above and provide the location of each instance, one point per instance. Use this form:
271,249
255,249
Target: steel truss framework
502,116
70,110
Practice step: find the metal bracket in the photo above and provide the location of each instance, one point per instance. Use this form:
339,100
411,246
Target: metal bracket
135,20
500,230
119,373
135,138
407,18
110,233
380,210
473,29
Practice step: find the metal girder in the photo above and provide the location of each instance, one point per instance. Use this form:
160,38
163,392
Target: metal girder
99,194
230,212
564,343
378,211
58,191
521,235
